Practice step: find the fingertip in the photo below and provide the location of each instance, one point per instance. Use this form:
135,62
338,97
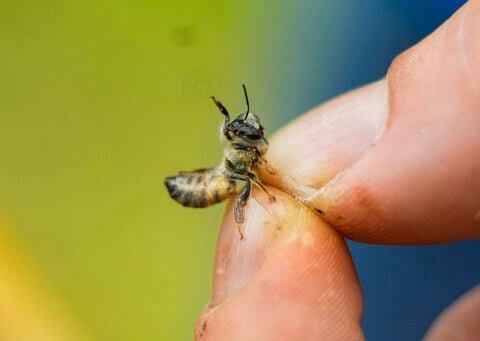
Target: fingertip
301,280
418,179
460,321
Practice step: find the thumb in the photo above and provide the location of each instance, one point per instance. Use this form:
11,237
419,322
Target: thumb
397,162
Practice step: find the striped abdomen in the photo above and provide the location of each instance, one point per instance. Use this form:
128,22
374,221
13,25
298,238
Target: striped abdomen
200,188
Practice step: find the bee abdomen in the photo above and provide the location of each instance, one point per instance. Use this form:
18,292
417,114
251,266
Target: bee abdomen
200,188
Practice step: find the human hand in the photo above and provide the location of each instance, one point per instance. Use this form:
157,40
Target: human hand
395,162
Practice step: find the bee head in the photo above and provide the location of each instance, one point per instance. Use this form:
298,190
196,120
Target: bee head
245,128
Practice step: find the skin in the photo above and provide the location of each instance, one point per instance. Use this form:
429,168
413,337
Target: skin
395,162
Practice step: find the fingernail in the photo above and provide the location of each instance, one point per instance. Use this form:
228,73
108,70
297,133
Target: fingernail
237,260
324,142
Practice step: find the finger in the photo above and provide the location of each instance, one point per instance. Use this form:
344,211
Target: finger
291,278
460,321
397,162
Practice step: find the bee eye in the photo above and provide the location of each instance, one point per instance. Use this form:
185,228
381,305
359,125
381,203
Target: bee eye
250,133
253,136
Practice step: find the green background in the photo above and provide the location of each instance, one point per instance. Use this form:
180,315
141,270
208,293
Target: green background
99,101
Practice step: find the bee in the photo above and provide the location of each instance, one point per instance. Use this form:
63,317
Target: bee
246,147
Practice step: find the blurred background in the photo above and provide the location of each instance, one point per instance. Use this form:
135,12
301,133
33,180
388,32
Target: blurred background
99,101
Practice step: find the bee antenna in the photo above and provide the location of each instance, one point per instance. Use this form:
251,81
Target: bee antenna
246,99
222,109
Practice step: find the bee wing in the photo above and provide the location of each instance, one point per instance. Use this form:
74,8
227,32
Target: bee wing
200,188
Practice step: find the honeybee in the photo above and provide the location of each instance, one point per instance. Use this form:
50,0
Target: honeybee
246,147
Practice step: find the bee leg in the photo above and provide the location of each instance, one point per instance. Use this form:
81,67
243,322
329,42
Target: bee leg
254,179
239,213
239,207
